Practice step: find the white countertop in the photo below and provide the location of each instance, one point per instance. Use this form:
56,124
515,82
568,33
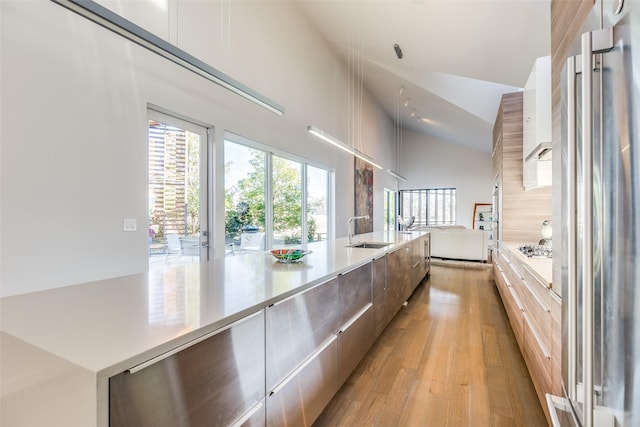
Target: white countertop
111,325
543,267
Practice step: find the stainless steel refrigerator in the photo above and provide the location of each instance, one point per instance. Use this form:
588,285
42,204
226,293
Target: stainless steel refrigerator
599,254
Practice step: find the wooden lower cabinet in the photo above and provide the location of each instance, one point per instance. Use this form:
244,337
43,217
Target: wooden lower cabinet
534,312
510,300
538,359
556,346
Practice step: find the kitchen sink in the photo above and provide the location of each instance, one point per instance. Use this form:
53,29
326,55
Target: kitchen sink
369,245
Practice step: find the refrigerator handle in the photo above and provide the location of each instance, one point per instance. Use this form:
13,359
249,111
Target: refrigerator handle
587,229
592,42
572,235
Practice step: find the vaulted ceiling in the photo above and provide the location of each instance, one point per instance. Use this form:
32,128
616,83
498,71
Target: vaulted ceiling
459,57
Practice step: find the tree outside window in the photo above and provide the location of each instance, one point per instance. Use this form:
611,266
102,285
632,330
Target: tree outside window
245,178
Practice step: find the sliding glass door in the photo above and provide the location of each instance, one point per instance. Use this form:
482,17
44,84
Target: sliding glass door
178,229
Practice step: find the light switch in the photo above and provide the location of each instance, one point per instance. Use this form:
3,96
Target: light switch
129,224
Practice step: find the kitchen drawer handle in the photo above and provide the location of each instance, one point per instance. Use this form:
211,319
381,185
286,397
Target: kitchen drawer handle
506,280
512,292
353,269
294,296
355,318
541,303
516,299
534,275
250,413
303,365
545,352
516,270
186,345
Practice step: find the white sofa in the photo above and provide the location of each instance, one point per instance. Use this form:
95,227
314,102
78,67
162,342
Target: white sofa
457,242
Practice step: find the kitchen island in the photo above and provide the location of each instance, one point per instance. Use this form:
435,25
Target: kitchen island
62,347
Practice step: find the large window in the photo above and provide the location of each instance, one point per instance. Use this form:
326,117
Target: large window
317,203
245,192
432,206
272,201
389,210
286,192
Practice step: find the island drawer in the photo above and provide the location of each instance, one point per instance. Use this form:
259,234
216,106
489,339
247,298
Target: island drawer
354,340
354,291
218,380
302,396
296,326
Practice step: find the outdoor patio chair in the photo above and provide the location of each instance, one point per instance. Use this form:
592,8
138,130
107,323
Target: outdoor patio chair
252,242
173,246
190,246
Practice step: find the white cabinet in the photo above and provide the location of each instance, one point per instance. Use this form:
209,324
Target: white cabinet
536,137
536,174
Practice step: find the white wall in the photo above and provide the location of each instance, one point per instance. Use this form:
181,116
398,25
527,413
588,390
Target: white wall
73,128
431,163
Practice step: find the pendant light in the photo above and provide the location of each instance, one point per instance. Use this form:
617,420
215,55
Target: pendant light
355,92
398,123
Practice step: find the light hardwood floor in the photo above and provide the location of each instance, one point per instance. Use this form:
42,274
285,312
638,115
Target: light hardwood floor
449,358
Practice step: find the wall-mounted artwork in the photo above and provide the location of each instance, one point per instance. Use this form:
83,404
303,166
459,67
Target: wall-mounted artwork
363,175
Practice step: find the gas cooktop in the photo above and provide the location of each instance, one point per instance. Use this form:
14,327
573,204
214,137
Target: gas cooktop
536,251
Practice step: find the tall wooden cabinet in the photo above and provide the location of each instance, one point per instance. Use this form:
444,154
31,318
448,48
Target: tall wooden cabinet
532,307
520,214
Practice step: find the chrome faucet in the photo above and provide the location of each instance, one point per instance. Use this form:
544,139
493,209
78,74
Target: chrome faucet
350,226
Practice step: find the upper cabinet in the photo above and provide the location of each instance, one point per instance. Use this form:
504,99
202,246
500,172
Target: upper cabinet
536,121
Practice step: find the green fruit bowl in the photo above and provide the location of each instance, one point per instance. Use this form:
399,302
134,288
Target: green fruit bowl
289,255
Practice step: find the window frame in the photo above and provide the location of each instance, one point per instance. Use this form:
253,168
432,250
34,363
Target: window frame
205,132
390,210
425,209
269,217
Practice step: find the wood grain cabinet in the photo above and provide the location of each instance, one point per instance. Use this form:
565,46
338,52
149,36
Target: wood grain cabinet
216,381
512,304
520,213
534,313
